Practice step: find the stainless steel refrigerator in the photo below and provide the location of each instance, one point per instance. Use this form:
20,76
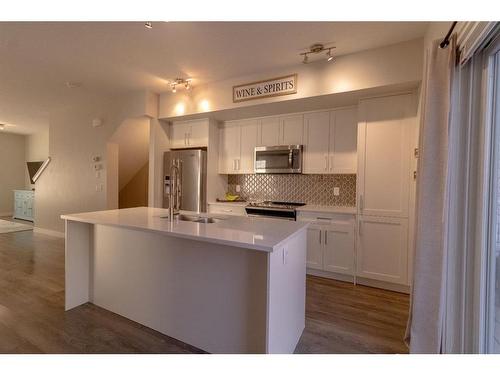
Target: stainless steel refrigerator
193,178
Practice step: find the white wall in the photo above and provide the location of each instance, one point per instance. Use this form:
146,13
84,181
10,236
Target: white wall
395,64
68,185
37,149
158,143
12,169
132,138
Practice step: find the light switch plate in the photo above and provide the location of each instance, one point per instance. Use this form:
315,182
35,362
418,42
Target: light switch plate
336,191
238,188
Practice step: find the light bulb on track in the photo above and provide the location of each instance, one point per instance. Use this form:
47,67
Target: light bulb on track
329,56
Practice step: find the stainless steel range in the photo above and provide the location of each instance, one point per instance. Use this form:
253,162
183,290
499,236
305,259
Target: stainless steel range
276,210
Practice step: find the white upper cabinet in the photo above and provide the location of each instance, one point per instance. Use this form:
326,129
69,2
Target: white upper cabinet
238,140
189,134
179,134
317,130
330,141
229,149
292,130
343,155
384,153
249,134
270,131
286,130
198,135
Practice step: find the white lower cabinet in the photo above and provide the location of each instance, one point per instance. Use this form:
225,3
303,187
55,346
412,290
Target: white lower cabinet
370,250
339,245
330,242
314,247
382,249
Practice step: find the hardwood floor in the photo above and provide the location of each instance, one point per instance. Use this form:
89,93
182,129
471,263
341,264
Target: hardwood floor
340,317
346,318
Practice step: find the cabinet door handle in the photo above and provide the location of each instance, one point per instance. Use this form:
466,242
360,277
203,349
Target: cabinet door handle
323,218
185,139
331,163
361,202
234,164
320,237
326,237
238,164
360,228
326,162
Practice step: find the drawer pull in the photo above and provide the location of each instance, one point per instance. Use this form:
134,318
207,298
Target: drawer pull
227,210
324,218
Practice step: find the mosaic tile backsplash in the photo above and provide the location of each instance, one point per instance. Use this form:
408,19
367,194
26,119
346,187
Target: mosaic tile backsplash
308,188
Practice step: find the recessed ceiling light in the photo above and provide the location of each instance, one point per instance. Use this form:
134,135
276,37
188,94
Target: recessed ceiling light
148,25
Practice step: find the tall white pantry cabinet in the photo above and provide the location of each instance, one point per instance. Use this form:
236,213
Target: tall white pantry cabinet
386,132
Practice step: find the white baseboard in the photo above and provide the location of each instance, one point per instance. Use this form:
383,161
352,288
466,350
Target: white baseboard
361,281
49,232
5,214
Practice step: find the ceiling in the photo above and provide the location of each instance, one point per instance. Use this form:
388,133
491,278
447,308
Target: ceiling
108,58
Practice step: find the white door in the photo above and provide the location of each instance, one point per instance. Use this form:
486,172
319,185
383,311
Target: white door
384,155
316,142
198,133
179,134
292,130
314,248
249,134
339,248
343,141
382,249
270,129
229,149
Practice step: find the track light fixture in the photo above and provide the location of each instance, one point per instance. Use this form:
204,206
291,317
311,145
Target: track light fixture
186,82
329,56
148,25
315,49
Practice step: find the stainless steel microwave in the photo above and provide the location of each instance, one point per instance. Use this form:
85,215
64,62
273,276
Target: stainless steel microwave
278,159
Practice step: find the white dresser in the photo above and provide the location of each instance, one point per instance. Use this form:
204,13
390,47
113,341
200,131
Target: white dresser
24,201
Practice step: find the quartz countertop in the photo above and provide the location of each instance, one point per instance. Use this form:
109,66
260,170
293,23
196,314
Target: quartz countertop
239,231
332,209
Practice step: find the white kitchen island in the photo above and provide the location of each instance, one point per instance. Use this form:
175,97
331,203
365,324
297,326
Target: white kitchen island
234,286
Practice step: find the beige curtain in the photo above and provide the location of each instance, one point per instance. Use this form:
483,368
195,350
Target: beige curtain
425,325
